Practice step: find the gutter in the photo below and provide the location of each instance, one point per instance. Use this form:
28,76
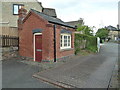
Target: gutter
62,24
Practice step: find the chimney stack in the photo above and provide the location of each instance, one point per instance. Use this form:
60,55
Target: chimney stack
22,13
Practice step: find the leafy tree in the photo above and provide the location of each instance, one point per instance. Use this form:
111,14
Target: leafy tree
102,33
85,30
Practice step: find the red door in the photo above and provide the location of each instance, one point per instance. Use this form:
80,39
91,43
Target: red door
38,48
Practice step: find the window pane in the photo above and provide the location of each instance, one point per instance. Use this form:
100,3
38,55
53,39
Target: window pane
65,41
61,41
15,8
68,40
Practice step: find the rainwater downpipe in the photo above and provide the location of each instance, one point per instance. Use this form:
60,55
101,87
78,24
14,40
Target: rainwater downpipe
54,29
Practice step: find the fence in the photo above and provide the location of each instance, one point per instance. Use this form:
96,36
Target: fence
7,41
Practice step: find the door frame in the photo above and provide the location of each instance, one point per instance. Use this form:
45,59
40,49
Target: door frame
34,42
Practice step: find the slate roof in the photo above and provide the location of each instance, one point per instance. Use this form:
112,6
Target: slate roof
52,19
75,23
50,12
111,28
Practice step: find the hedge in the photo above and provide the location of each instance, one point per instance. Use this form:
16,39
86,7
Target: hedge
91,42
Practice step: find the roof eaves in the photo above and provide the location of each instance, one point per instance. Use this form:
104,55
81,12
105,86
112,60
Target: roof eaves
62,24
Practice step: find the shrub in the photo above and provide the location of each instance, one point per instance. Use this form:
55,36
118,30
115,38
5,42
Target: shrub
77,50
91,42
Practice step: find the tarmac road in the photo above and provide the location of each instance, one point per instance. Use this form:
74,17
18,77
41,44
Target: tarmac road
19,75
93,71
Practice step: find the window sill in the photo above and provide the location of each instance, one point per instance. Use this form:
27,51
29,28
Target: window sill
15,14
67,49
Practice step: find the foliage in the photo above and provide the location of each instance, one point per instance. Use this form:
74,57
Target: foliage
102,33
91,42
77,50
85,29
87,35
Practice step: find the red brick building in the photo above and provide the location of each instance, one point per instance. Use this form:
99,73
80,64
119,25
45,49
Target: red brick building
43,37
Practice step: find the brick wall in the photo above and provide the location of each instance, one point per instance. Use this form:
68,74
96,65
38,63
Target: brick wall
62,53
26,38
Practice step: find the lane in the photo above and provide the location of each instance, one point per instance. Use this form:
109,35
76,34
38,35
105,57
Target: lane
19,75
101,77
92,71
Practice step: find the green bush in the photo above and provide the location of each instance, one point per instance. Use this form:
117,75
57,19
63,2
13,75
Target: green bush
77,50
91,42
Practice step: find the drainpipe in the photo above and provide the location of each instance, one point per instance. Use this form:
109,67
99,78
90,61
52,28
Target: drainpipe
54,28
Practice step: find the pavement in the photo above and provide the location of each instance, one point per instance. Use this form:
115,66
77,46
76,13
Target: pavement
19,75
93,71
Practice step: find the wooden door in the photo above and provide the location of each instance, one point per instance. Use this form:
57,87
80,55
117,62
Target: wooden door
38,48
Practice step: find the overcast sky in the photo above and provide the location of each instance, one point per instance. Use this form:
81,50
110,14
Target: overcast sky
94,12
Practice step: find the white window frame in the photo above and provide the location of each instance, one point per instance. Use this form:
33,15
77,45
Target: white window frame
16,8
62,43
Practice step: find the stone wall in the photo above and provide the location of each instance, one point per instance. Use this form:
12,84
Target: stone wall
9,52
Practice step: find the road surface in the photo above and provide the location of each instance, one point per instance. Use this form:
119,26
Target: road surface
93,71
